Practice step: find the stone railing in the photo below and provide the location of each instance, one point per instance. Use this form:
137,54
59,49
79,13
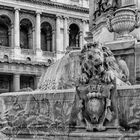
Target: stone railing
5,48
48,53
28,51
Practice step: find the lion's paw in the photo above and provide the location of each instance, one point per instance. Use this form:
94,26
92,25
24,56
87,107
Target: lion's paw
108,77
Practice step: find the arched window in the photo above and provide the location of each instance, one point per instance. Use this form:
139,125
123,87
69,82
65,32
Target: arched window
74,36
46,37
5,30
26,34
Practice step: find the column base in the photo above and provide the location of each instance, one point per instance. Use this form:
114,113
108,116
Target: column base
60,54
38,53
17,52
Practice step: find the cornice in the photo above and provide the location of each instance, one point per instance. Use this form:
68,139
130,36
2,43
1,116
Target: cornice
58,5
11,61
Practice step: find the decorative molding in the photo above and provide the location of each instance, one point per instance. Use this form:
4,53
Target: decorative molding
34,63
59,16
29,17
78,22
58,5
7,13
28,51
51,21
38,12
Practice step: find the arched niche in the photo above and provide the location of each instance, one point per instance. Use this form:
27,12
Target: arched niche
5,31
74,36
26,34
46,37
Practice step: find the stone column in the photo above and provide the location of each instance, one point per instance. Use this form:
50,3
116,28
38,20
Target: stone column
9,37
38,31
16,82
17,28
58,44
84,32
81,39
12,35
53,41
33,36
37,78
66,35
30,39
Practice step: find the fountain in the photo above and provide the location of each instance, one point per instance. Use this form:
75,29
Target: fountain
83,95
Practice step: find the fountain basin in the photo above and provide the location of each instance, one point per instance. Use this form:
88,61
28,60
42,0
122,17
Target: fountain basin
48,114
36,113
129,106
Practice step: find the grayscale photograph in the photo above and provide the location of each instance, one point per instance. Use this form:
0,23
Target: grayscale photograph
69,69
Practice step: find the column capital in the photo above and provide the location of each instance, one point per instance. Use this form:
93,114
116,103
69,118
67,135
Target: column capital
53,31
38,12
33,28
66,17
85,20
16,8
68,30
58,16
81,33
12,25
16,75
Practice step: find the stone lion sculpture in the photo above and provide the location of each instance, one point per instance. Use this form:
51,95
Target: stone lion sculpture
100,73
97,60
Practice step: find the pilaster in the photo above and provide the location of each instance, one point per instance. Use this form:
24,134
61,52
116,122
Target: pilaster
17,28
16,82
59,49
66,33
81,39
53,41
38,33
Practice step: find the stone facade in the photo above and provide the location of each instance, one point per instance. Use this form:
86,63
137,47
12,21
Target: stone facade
34,34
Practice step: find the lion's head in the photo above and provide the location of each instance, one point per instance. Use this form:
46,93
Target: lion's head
93,57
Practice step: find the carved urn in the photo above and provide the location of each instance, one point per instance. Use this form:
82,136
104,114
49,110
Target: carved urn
123,22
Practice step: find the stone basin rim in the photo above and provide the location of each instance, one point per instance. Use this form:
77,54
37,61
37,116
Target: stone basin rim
125,8
38,92
128,87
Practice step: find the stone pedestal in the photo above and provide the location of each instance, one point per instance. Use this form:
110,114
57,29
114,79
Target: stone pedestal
126,49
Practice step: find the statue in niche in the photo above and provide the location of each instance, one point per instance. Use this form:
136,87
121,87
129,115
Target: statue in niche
104,6
100,74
